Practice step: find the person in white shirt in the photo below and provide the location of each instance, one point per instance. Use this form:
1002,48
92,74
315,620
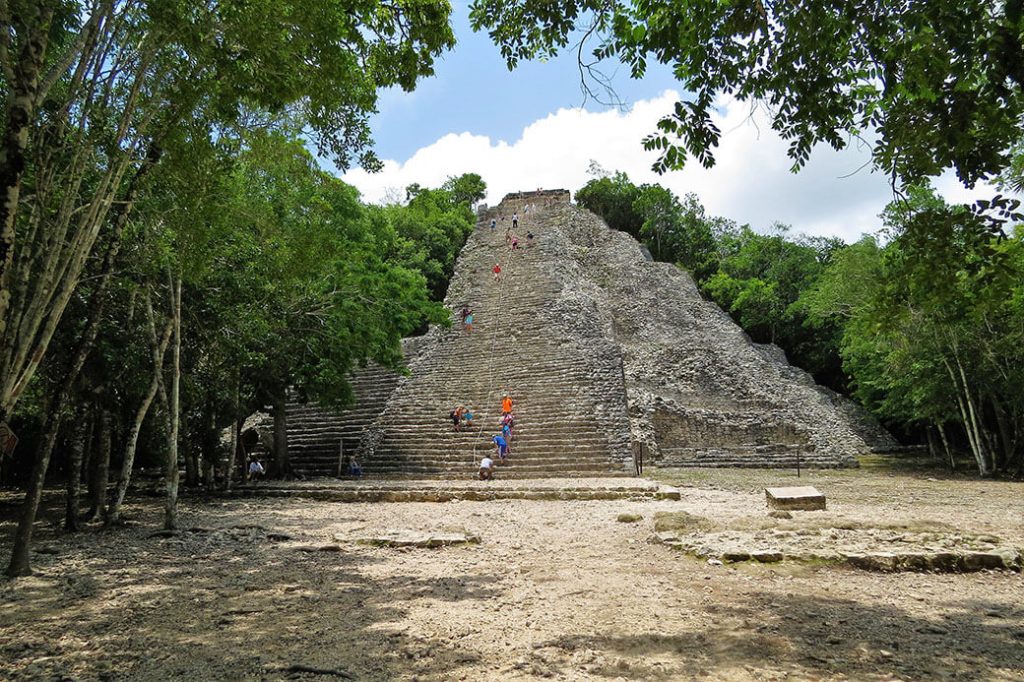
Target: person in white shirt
256,470
486,469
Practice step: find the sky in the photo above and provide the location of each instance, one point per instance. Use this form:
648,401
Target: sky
532,128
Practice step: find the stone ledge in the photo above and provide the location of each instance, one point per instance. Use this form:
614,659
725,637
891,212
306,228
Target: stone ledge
1003,558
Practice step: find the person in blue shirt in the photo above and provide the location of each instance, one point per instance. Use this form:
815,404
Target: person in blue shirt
502,446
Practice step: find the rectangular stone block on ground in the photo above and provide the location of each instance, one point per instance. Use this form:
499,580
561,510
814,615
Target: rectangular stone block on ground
803,498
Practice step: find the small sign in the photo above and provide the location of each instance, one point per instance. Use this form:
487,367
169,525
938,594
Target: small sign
8,441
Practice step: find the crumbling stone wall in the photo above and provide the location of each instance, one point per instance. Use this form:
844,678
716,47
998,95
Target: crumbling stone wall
699,391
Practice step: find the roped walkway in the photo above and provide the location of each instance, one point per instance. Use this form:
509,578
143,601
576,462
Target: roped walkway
504,275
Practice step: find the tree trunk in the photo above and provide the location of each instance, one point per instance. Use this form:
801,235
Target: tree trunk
281,463
966,405
171,505
1006,438
131,443
23,537
945,444
20,112
236,432
99,480
20,553
192,467
237,453
211,452
82,434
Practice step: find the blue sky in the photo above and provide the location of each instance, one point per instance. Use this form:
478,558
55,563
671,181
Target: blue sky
525,129
473,91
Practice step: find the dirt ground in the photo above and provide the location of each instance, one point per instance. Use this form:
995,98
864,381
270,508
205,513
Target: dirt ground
554,589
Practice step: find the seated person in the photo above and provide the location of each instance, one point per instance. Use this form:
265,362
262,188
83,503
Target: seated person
468,416
353,468
486,469
256,470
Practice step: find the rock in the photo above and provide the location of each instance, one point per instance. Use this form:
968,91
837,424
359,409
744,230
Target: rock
663,539
735,556
417,539
629,518
767,557
1007,559
714,562
278,537
667,492
876,561
780,514
944,562
805,498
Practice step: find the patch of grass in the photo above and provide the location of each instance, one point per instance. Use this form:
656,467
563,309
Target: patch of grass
629,518
665,522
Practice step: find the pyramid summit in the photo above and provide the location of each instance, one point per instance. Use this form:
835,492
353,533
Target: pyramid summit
604,353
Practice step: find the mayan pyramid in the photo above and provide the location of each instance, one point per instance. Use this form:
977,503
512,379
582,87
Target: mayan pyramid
605,353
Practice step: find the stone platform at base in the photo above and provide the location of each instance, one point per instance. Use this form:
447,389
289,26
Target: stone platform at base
432,490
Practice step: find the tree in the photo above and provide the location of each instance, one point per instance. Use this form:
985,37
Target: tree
936,83
931,330
88,121
468,188
85,135
677,232
612,198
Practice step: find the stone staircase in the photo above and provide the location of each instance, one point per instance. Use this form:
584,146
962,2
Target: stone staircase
317,434
569,396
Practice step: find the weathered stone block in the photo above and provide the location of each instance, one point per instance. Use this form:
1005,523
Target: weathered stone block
804,498
667,492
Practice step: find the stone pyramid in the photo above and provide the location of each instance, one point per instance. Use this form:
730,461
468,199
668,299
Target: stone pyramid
605,353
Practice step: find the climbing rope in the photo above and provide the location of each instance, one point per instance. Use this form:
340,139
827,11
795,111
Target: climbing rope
505,273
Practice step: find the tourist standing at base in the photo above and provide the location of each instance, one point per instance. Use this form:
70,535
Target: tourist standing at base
486,469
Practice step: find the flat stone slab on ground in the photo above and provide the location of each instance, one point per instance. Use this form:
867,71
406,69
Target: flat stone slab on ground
802,498
412,538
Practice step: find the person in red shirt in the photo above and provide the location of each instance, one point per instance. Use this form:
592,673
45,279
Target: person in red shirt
496,270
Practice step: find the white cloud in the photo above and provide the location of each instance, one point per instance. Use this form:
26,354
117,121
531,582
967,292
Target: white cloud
836,194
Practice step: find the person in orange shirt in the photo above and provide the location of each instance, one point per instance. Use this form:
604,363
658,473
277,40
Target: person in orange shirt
506,404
